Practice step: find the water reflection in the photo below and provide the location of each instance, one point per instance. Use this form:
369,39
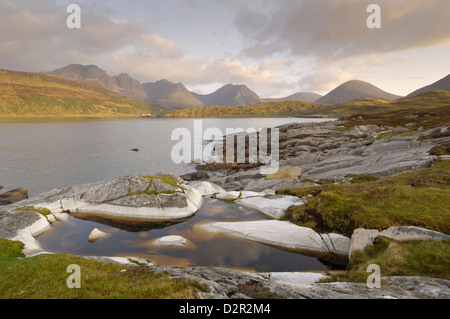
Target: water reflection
203,249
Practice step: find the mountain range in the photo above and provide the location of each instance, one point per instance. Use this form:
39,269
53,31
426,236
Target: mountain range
167,93
176,95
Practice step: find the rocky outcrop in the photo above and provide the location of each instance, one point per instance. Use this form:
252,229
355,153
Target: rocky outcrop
224,283
284,234
327,150
362,238
148,198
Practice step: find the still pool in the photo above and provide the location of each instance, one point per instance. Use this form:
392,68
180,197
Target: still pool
129,238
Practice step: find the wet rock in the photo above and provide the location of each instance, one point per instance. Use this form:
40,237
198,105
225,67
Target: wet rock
13,196
173,240
96,234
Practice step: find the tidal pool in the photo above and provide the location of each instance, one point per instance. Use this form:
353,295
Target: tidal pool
131,238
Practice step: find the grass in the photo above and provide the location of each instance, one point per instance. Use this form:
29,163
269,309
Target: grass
45,276
416,198
412,258
40,210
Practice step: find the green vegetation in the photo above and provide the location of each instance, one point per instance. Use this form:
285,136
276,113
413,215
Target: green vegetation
414,198
264,109
417,198
431,102
412,258
40,210
45,276
39,95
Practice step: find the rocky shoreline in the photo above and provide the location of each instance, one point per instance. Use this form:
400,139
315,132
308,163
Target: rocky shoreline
309,153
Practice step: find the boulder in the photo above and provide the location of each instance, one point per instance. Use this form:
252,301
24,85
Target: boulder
96,234
171,241
206,188
284,234
142,198
362,238
271,205
195,176
229,195
13,196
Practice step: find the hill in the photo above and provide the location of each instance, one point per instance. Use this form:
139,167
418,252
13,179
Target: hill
171,94
355,90
24,94
230,95
299,96
443,84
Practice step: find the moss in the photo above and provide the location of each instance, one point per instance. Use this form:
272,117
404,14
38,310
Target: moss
40,210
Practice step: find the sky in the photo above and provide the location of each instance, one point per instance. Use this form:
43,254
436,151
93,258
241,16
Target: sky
275,47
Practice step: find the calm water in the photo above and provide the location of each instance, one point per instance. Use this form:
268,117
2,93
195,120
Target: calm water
41,156
204,249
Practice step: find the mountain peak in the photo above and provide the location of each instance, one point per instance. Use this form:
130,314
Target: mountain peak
355,90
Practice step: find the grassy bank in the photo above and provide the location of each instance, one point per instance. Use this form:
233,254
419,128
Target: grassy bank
416,198
45,276
419,198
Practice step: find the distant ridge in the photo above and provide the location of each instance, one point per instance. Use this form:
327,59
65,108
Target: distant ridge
355,90
443,85
171,94
299,96
167,93
230,95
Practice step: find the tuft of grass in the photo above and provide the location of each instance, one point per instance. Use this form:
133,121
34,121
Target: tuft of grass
10,248
412,258
45,277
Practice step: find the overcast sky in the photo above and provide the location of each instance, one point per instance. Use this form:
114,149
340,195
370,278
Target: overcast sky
275,47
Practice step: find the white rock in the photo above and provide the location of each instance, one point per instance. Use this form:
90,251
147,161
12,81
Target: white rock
51,218
301,278
206,188
171,241
362,238
228,195
271,205
284,234
96,234
62,216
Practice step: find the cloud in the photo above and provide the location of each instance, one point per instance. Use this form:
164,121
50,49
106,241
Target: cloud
336,29
35,38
